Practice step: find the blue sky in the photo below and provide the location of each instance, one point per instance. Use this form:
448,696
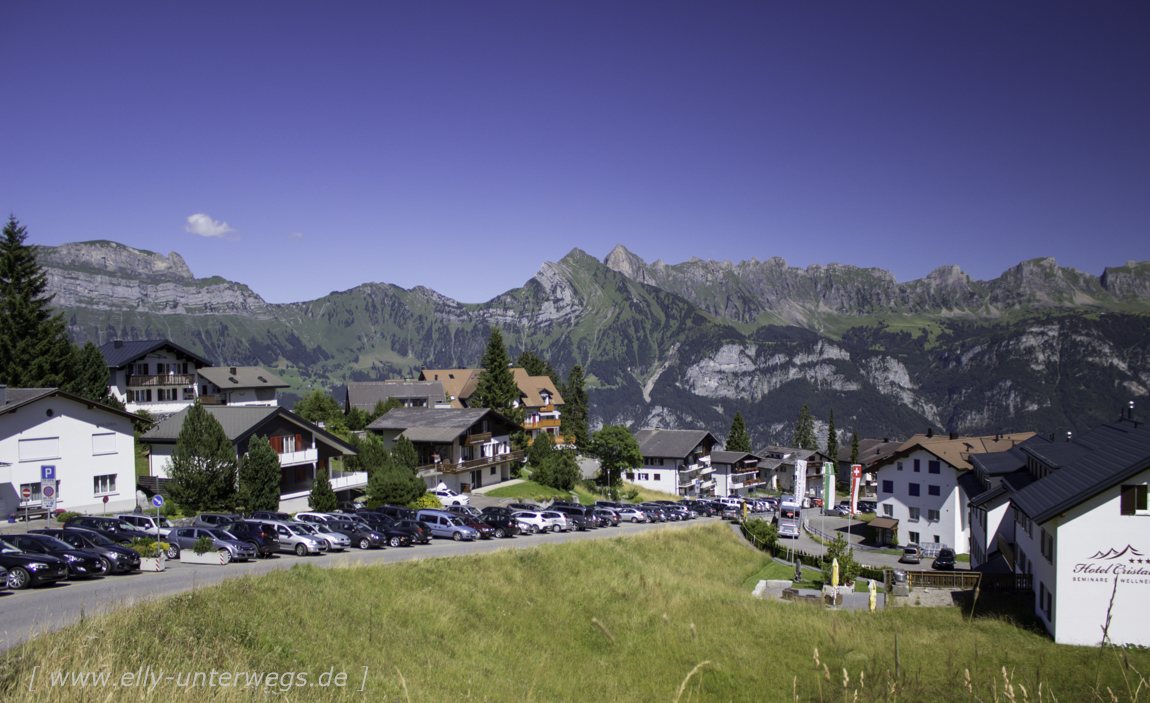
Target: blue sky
306,147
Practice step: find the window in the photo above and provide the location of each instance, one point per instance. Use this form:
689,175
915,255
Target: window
933,516
103,443
912,489
888,510
492,471
934,490
1045,600
102,485
643,477
1133,500
37,449
934,467
914,513
630,476
888,486
656,477
936,539
1048,545
914,537
189,394
163,394
899,466
917,465
140,369
1023,522
163,369
144,396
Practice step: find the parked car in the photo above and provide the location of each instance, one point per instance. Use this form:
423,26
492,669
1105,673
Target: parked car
293,537
485,531
420,531
184,538
631,514
26,570
944,559
313,518
498,510
610,517
535,519
116,530
116,557
504,525
215,519
450,497
81,564
336,541
259,534
911,554
465,510
364,536
158,528
270,515
444,524
559,521
396,512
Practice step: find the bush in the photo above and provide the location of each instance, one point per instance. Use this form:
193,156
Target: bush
631,494
148,548
66,516
848,567
203,545
762,534
427,500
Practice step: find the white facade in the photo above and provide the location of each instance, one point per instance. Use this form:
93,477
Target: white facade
656,474
991,529
91,447
732,481
921,492
162,382
1092,552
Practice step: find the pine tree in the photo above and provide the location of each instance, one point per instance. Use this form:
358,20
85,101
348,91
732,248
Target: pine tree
34,348
404,454
737,439
804,437
573,416
90,374
322,498
855,447
832,439
203,465
259,477
496,387
535,366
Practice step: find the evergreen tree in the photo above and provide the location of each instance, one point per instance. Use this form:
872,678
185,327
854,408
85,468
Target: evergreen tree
34,348
496,387
403,451
832,439
804,437
322,498
259,477
90,374
737,439
382,407
203,465
535,366
317,407
855,447
617,449
573,416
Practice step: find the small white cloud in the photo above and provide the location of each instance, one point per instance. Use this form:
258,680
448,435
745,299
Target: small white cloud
295,237
205,226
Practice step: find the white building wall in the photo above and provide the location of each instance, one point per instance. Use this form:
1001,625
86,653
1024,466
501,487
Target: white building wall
657,478
89,442
950,528
1096,546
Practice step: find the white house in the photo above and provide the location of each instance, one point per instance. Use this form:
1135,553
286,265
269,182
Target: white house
90,445
675,461
777,469
238,386
302,448
924,487
154,375
735,473
999,475
1082,531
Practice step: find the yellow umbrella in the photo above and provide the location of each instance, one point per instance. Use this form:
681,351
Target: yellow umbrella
873,595
835,572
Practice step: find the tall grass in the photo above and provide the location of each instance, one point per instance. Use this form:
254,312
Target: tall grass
663,616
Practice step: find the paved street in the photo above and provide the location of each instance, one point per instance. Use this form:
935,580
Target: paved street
833,525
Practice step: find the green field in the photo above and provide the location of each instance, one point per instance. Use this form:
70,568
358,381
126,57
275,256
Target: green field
665,616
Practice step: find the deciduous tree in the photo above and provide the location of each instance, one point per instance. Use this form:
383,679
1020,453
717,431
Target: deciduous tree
737,439
203,465
318,406
259,477
617,450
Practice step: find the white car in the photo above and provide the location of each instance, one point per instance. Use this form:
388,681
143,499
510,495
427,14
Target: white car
535,520
449,497
559,521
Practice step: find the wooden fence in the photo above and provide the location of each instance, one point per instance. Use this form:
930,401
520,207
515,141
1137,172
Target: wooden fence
963,580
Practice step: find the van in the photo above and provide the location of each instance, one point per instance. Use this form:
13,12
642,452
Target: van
148,523
445,524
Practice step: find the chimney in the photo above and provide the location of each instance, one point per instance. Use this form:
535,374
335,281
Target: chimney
232,371
3,394
930,432
118,344
954,435
885,440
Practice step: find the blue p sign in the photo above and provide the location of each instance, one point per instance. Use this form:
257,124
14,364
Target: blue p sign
158,501
47,472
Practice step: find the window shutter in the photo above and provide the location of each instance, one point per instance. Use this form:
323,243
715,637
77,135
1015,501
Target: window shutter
299,443
1129,496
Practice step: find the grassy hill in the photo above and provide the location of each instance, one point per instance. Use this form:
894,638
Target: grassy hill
660,617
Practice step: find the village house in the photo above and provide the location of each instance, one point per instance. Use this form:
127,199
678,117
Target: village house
365,395
675,461
538,397
777,469
735,473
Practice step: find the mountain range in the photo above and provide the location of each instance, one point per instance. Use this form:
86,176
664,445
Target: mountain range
1042,347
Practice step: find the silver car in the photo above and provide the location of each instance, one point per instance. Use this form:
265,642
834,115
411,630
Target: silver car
293,537
336,541
631,514
186,537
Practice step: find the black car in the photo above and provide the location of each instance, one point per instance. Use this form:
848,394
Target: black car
420,533
525,506
271,515
944,559
498,510
395,512
505,526
260,535
368,536
114,529
116,557
26,570
81,564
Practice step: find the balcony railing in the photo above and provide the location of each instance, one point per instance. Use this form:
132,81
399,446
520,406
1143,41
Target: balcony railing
471,465
540,424
213,400
175,379
305,456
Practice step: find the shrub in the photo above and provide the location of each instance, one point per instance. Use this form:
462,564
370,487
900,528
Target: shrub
203,545
427,500
66,516
147,548
848,567
631,494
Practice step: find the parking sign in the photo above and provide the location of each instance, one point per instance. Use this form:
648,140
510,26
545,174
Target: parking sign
47,472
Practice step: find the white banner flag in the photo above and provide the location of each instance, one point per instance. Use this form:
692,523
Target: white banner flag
800,480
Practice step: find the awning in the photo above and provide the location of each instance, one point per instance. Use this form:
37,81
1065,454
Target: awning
884,523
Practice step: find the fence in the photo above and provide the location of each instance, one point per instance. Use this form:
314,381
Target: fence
831,538
963,580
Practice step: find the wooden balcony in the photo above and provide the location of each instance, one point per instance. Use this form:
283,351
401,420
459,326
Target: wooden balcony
473,439
472,465
540,424
175,379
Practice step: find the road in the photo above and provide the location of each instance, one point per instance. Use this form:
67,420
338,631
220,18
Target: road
29,613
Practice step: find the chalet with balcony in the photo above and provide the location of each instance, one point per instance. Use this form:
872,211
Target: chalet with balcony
538,397
463,448
303,449
239,386
365,395
735,474
777,466
676,462
154,375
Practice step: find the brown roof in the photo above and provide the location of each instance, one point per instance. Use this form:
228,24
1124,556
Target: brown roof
957,451
884,523
459,385
531,386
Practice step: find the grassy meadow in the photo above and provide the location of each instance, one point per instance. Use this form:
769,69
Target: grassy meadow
665,616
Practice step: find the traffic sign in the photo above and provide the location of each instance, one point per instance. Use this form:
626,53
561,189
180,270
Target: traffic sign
47,472
48,491
25,493
158,501
105,499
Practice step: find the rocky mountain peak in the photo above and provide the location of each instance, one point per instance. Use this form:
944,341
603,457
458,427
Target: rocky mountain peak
626,263
117,259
